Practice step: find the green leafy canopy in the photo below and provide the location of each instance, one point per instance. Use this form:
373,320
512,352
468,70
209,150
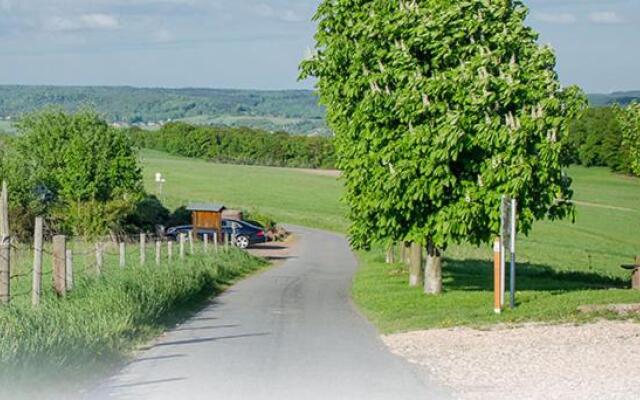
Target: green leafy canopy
74,168
439,108
629,118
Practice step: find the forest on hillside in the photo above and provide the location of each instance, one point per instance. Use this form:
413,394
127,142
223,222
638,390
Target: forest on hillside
293,111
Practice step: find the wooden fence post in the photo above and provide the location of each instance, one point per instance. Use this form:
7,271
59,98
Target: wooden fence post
205,243
123,254
158,251
5,247
215,242
36,290
69,269
227,239
170,250
99,258
60,264
143,249
182,246
191,250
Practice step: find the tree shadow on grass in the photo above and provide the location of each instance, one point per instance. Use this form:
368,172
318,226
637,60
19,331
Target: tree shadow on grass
477,275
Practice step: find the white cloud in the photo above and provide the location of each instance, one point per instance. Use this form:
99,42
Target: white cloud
291,16
163,36
287,15
5,5
556,18
99,21
82,22
605,17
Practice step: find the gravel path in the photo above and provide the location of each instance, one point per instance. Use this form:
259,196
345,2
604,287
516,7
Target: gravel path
596,361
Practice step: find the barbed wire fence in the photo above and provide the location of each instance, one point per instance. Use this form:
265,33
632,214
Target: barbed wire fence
52,267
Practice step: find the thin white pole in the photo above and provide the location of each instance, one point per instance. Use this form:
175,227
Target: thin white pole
512,281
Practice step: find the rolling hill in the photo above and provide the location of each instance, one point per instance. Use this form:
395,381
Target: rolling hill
293,111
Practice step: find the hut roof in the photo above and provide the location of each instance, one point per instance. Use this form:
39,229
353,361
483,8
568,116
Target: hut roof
211,207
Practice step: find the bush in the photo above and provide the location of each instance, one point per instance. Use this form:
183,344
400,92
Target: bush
262,219
73,168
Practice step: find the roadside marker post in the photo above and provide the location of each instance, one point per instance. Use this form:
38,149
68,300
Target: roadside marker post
506,240
497,279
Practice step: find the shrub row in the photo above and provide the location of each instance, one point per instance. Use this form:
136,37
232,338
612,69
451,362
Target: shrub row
239,145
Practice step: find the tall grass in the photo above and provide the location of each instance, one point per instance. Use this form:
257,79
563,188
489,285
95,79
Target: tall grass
105,316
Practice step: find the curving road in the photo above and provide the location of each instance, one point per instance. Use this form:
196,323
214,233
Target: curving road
288,333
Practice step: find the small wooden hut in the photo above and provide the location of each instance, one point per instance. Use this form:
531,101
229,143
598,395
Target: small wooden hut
206,216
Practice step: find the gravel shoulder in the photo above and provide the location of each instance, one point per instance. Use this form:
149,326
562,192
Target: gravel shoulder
595,361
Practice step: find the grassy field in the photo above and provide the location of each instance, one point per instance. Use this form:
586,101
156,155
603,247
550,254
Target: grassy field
288,195
562,264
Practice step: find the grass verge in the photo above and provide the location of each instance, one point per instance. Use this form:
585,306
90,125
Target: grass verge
544,294
105,317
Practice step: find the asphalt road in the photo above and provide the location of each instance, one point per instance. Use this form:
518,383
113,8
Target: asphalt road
288,333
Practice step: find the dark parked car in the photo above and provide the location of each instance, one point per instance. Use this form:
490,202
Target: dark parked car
245,234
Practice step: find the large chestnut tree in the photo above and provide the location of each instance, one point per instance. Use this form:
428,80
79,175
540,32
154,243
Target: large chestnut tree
440,107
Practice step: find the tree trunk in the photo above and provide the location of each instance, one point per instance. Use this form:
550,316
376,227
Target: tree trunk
391,254
406,252
415,265
433,273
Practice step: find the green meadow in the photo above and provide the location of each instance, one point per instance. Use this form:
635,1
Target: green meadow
288,195
562,264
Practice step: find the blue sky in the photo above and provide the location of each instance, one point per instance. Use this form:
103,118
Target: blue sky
258,43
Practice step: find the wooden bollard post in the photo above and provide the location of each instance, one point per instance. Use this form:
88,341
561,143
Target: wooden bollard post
5,247
227,239
36,289
215,242
69,269
99,258
143,249
497,276
636,275
123,254
190,236
182,246
170,250
60,265
205,243
158,252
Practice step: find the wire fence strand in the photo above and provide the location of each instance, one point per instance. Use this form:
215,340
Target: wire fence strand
90,258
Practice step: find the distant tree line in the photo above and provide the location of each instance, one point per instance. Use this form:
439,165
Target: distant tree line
239,145
604,137
296,111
